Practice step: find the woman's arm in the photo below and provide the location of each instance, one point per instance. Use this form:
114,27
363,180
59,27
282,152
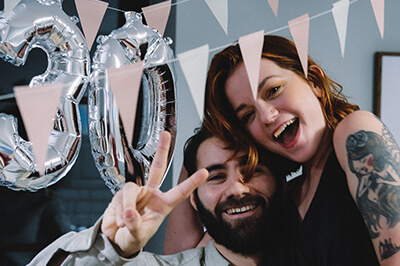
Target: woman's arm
184,228
351,135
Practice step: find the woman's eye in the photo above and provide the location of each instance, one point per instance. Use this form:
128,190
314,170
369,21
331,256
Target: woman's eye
247,117
272,91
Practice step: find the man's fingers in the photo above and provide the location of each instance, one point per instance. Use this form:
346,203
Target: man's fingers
159,164
184,189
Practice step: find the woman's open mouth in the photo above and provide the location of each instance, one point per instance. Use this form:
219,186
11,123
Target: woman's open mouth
287,132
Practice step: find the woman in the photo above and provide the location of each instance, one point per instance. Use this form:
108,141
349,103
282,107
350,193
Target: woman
307,120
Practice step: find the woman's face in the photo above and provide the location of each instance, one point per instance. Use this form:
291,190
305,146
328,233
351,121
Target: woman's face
286,117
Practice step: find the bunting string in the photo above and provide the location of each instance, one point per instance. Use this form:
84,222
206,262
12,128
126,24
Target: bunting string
212,50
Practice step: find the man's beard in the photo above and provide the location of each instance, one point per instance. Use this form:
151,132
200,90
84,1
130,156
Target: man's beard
247,236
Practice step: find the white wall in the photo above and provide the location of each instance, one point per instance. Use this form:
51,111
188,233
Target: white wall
196,26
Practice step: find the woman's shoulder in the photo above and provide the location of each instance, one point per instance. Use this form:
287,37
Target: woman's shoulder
356,121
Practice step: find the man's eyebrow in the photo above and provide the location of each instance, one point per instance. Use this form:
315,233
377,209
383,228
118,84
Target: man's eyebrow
214,167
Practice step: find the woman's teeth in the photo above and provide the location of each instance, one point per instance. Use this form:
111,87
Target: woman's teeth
240,210
283,127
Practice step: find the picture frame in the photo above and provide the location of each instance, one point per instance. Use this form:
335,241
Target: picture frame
386,100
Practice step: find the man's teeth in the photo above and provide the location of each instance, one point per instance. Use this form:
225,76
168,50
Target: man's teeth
240,210
283,127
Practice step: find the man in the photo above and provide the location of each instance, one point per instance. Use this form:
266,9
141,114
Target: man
235,209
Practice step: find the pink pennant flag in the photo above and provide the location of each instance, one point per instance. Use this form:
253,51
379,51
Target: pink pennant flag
340,13
38,107
157,15
299,28
194,66
125,85
379,11
220,10
91,13
274,6
251,48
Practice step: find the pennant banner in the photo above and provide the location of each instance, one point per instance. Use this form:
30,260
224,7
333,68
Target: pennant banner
340,13
91,13
251,48
299,28
157,15
274,6
125,85
379,11
194,65
38,107
220,10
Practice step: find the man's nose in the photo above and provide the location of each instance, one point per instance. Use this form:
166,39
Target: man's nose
237,186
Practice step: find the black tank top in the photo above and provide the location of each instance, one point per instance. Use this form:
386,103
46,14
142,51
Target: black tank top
333,231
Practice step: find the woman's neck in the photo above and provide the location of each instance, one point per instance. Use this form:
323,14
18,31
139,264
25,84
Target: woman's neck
312,170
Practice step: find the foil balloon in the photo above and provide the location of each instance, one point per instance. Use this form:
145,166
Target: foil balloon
43,24
116,160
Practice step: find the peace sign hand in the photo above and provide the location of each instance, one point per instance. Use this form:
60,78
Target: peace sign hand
136,212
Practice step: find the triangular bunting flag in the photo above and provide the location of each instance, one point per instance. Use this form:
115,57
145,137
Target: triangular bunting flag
274,6
157,16
91,13
220,10
299,28
9,5
125,85
38,107
379,11
194,66
340,13
251,48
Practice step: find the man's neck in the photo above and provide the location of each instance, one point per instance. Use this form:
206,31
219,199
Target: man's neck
235,258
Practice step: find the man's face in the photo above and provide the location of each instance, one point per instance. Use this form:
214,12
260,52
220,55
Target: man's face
234,211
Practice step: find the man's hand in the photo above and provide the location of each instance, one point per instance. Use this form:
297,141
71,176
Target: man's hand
136,212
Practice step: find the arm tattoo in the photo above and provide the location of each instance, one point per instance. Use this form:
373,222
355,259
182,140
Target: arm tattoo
374,159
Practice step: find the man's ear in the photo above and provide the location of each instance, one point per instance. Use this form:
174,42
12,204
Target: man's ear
316,89
192,201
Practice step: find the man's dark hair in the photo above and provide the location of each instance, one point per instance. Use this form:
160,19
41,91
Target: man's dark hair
278,165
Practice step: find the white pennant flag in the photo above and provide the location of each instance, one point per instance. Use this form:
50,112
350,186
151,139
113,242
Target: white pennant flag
194,65
220,10
340,13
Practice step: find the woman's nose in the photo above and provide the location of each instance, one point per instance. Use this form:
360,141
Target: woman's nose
266,112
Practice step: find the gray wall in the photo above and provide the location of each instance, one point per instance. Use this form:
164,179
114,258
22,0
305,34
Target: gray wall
196,26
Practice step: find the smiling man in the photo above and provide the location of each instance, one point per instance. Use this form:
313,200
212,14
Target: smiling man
238,208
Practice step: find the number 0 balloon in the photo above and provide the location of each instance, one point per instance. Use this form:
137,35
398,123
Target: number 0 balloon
43,24
117,160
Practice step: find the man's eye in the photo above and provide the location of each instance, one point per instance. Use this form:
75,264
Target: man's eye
216,177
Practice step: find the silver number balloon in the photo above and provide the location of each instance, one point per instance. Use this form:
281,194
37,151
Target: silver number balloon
116,160
43,24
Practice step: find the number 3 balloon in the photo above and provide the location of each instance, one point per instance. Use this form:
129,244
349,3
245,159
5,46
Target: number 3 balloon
116,160
43,24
